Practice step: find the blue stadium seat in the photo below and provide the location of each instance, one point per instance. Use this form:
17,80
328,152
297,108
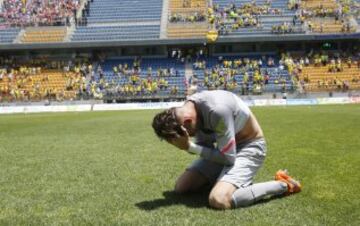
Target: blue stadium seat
275,74
113,33
266,21
104,11
155,64
7,35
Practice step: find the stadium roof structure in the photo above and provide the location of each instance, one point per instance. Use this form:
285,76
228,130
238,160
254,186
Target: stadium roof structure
159,42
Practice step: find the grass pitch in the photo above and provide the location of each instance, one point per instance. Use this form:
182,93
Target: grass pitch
108,168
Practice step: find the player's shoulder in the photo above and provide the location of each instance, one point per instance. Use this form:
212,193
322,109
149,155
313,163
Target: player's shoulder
209,94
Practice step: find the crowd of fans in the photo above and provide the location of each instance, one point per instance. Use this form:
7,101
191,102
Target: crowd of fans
225,74
321,11
231,18
29,81
294,4
353,5
133,81
188,17
38,12
346,26
284,28
340,14
334,63
254,75
188,4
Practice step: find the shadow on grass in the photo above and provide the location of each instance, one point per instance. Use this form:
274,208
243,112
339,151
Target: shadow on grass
193,200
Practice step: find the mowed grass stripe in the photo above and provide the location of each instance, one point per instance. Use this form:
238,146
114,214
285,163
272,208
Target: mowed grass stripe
109,168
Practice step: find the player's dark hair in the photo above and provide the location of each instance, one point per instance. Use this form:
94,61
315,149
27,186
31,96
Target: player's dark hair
166,125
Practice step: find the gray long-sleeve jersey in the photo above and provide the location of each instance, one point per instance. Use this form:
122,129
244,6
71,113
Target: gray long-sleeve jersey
221,114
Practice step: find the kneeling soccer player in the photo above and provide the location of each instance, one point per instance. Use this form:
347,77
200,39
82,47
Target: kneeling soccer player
231,147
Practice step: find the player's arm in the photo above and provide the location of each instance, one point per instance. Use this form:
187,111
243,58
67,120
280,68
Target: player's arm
222,121
182,141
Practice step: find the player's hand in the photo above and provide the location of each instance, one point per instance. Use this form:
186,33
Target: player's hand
181,142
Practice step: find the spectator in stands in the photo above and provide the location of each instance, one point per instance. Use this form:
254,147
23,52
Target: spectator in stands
284,28
339,66
270,62
174,90
246,15
38,12
332,65
187,17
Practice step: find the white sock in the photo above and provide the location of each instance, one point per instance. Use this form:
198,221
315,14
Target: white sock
246,196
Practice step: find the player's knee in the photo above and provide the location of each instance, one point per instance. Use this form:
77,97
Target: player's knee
220,200
187,182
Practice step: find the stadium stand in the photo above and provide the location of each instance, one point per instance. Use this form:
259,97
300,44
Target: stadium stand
335,74
42,78
354,8
320,79
245,17
114,11
139,79
187,19
111,20
110,80
106,33
187,31
327,17
44,34
243,74
328,25
36,86
315,4
38,12
8,34
43,21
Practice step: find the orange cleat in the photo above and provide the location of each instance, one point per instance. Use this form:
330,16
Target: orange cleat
293,185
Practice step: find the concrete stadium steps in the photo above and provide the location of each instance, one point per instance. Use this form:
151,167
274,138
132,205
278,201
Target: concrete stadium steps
44,34
164,19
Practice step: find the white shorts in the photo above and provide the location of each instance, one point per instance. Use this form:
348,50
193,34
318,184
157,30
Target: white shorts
249,159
